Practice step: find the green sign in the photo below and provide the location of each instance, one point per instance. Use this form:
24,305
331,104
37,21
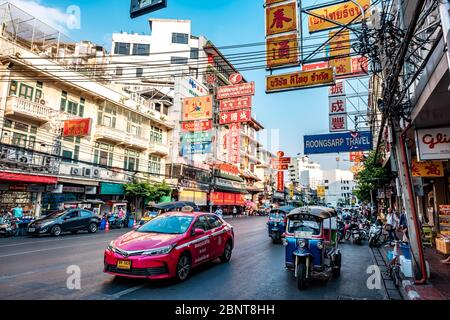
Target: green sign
196,137
111,189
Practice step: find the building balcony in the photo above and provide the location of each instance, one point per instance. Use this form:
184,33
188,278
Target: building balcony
159,149
136,142
21,108
110,134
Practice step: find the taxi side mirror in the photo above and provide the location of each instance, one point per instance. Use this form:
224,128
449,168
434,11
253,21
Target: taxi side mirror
198,232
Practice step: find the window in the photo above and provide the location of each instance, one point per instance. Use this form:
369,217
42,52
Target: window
63,101
134,125
85,214
201,223
214,221
131,162
122,48
139,72
194,53
13,88
38,95
26,92
141,49
103,154
72,108
73,214
158,107
107,116
178,60
166,110
154,165
182,38
81,107
156,135
71,150
193,72
119,71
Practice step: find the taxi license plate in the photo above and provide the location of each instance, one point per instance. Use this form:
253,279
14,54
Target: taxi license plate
31,230
125,265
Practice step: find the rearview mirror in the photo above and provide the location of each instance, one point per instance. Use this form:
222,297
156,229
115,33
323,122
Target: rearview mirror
198,232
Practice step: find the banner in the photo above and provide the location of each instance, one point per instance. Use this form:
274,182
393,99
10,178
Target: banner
300,80
194,126
433,144
235,143
77,128
283,51
338,142
198,108
235,117
238,90
196,137
428,169
281,18
280,181
235,104
342,13
338,122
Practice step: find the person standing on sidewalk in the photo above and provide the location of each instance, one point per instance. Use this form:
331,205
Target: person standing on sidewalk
391,224
234,211
403,226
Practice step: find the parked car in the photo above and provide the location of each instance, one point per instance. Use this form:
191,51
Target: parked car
152,212
169,246
72,220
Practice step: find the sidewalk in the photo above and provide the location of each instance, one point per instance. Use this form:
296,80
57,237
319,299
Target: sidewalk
438,286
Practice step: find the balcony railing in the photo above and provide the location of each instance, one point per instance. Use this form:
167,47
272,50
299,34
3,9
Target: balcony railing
159,149
23,108
110,134
136,142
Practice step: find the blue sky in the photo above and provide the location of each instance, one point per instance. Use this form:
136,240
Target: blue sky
224,22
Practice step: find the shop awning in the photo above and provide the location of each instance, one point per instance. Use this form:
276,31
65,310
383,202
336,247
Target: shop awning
17,177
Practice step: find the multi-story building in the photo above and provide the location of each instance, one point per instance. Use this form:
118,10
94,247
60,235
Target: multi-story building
339,186
46,160
305,173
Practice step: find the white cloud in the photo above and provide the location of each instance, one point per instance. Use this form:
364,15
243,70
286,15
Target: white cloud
52,16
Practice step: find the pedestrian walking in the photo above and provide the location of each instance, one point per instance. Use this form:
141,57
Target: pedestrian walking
235,211
392,222
403,227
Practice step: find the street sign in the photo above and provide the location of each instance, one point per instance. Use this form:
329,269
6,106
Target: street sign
197,148
236,104
140,7
280,181
235,117
300,80
237,90
338,142
196,137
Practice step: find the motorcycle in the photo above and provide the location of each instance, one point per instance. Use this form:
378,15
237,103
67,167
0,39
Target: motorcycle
376,235
340,230
7,228
115,222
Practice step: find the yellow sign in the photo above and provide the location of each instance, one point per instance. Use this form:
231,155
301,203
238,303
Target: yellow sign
342,65
283,51
300,80
282,18
428,169
343,13
339,43
198,108
292,190
270,2
320,191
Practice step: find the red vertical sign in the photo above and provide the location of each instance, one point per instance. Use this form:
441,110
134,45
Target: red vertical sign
280,181
234,145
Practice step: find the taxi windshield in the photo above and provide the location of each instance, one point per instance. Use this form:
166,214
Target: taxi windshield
305,227
167,225
276,215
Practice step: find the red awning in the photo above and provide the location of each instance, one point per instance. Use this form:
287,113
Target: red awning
17,177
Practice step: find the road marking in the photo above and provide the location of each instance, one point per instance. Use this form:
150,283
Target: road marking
128,291
49,249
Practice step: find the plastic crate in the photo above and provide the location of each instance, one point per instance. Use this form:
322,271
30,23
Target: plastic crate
406,251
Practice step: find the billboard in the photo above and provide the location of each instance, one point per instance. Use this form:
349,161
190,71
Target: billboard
194,126
280,181
196,137
235,116
338,142
197,108
196,148
433,144
77,128
234,91
234,149
140,7
281,18
342,13
427,169
300,80
235,104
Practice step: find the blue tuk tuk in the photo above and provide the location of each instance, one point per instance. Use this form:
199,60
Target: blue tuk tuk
277,222
311,244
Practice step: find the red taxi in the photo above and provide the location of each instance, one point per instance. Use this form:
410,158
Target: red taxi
170,245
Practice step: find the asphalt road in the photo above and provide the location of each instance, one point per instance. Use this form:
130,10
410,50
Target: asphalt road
37,269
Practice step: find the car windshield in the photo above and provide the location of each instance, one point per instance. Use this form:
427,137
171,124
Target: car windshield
305,228
276,215
167,225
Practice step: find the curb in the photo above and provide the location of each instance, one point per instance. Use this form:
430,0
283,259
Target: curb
410,290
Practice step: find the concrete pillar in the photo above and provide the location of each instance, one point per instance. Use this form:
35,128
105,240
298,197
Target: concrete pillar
38,205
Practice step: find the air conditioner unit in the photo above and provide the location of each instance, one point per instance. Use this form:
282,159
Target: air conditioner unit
96,173
87,172
75,171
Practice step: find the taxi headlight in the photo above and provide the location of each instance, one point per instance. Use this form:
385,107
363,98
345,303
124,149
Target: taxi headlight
111,246
320,245
301,243
158,251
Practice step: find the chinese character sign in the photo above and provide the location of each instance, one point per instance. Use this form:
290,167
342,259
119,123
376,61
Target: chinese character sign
235,117
339,43
283,51
77,128
428,169
234,138
236,104
194,126
280,181
338,122
356,156
281,18
338,105
337,90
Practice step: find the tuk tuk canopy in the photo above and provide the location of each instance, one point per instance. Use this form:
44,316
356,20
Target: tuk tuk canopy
319,212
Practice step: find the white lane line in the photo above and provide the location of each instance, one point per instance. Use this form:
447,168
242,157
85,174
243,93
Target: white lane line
128,291
49,249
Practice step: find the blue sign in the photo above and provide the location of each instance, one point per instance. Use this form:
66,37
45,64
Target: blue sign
338,142
141,7
196,148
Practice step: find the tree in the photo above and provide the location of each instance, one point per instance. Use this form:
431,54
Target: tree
371,177
140,193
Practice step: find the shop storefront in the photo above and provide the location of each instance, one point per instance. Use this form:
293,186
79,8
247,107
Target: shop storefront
194,192
24,190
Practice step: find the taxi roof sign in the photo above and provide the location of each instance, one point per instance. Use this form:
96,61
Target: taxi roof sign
141,7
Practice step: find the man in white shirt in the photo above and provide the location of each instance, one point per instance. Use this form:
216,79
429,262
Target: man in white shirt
392,222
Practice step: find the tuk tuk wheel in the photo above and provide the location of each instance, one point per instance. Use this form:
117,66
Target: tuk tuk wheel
301,276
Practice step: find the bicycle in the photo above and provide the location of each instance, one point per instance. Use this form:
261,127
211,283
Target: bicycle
393,270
